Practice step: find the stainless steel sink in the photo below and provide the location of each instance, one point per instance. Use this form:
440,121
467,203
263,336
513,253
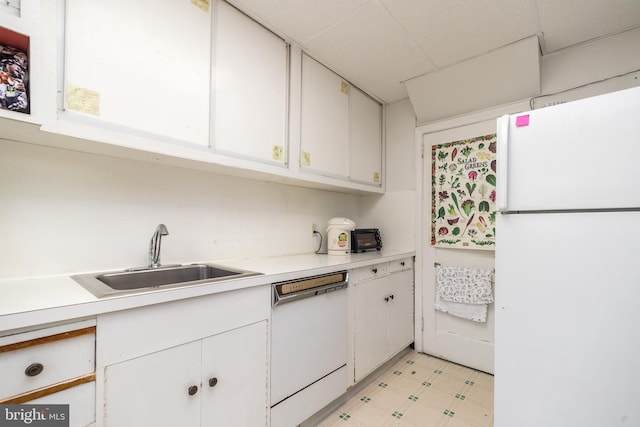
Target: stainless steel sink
121,282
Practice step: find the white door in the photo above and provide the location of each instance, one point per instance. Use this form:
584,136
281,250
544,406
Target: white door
452,338
365,138
324,120
155,390
234,377
400,324
142,65
250,88
372,316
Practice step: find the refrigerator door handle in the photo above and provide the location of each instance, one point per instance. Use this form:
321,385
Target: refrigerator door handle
502,155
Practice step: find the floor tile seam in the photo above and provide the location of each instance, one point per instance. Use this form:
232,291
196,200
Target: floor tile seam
437,406
398,404
399,388
436,410
480,403
474,420
475,390
401,408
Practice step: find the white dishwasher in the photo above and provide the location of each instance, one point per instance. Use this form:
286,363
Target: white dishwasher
308,346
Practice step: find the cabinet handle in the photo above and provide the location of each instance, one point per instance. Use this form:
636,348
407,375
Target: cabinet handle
402,263
391,296
193,390
386,299
375,270
34,369
213,381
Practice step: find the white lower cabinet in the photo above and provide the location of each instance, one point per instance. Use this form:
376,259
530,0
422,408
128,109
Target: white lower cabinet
51,366
219,380
200,361
383,314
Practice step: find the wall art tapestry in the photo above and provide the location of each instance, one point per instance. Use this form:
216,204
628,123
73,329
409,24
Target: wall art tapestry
463,210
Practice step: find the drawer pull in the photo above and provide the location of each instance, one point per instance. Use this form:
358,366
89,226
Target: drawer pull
375,270
402,263
34,369
213,381
193,390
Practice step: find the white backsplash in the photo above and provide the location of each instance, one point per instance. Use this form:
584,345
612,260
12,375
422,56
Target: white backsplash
66,212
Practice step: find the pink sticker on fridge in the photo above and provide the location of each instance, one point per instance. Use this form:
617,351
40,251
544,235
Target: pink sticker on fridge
522,120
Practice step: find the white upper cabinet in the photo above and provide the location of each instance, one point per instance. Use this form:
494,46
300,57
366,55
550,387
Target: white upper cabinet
341,127
250,88
365,138
194,83
324,123
140,65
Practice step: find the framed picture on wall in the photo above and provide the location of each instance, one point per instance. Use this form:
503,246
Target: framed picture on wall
463,210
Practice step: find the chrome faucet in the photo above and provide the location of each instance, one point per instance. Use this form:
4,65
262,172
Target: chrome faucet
154,246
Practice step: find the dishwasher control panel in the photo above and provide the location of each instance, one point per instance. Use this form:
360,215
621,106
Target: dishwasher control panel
306,287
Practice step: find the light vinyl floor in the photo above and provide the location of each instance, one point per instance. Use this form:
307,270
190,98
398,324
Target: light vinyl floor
420,390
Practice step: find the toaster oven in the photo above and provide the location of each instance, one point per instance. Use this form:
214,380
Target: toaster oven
365,239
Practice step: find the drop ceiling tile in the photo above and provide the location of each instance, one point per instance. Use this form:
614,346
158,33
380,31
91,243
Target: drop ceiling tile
371,50
449,31
298,19
569,22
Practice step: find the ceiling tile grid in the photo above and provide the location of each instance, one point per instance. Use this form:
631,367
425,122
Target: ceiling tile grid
379,44
372,51
450,31
569,22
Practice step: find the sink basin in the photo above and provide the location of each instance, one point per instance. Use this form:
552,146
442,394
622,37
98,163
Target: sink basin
120,282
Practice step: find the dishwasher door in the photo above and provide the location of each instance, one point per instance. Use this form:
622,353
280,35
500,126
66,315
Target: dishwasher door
308,342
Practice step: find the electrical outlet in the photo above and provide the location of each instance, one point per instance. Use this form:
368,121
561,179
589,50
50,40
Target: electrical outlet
314,229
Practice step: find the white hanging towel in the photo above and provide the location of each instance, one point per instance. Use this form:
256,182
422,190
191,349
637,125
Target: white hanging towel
463,292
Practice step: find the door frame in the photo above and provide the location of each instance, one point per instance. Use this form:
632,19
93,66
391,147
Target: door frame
424,267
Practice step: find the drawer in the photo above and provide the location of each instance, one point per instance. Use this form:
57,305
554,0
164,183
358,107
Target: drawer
370,272
401,264
81,400
34,363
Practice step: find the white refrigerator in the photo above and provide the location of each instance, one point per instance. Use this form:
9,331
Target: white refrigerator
567,281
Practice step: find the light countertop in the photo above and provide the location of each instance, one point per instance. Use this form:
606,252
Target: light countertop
29,302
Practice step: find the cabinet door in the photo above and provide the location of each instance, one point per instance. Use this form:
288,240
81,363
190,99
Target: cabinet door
153,390
365,138
142,64
250,90
234,377
371,348
400,325
324,120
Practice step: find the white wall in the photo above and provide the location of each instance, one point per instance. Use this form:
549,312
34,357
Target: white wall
66,212
394,211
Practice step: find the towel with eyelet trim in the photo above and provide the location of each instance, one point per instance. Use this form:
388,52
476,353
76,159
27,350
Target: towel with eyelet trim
463,292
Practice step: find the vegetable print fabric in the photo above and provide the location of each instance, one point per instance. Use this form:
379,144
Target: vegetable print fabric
463,210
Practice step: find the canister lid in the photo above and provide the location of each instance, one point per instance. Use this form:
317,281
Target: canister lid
342,222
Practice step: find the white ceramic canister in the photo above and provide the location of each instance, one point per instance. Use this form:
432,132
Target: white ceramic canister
339,236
